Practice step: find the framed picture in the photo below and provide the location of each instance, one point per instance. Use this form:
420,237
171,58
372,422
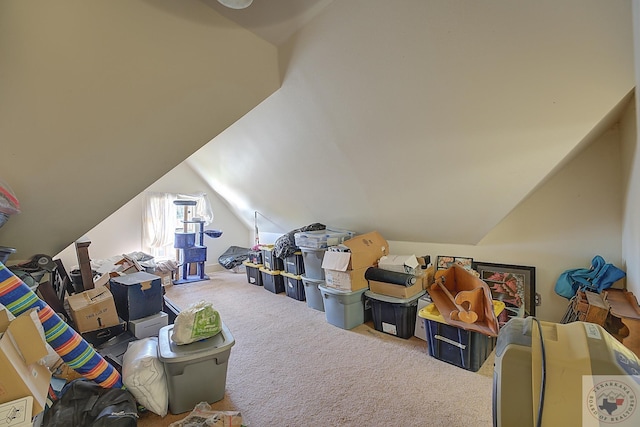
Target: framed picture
515,285
444,262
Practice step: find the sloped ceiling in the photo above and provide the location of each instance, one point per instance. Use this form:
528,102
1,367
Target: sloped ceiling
428,121
100,99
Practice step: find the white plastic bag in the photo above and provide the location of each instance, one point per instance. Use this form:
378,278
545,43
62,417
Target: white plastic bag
143,375
199,321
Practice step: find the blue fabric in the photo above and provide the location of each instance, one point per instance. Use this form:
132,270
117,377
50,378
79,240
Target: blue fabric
597,278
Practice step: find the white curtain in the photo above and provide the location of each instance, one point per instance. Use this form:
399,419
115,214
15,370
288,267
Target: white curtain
161,217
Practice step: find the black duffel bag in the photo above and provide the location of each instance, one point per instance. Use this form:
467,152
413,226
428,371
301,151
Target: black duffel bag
83,403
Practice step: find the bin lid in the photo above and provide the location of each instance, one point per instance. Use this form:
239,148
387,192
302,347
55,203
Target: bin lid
291,275
270,272
170,352
430,312
310,280
341,292
394,300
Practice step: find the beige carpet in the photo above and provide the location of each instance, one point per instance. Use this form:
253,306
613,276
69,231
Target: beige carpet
289,367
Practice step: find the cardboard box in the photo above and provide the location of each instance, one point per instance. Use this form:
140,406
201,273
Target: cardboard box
93,309
149,326
17,413
397,291
400,263
21,347
166,277
137,295
365,250
349,280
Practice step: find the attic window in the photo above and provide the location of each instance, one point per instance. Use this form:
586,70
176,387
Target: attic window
162,218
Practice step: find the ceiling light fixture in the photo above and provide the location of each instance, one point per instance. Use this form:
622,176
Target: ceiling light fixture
236,4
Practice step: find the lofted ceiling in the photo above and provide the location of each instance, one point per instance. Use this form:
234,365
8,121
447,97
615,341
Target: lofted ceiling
426,120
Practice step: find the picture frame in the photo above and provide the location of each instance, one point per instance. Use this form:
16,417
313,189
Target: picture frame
515,285
444,261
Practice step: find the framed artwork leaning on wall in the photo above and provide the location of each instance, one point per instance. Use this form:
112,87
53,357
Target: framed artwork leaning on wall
515,285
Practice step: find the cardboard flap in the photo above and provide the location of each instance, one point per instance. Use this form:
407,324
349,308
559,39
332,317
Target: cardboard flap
25,333
366,249
4,319
338,261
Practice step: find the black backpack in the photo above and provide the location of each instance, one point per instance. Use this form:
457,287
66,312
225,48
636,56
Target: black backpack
84,403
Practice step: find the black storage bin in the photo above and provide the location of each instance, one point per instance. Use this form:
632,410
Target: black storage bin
253,273
270,260
293,286
394,316
272,280
294,264
457,346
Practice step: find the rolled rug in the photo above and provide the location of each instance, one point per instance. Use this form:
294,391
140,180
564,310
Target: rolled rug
387,276
16,296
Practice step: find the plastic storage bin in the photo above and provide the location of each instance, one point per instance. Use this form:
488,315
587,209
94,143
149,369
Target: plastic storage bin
195,372
321,238
294,263
459,347
312,259
312,293
293,285
253,273
343,309
272,280
270,260
394,316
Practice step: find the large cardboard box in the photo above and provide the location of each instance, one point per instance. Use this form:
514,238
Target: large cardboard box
93,309
397,291
21,347
137,295
400,263
366,249
349,280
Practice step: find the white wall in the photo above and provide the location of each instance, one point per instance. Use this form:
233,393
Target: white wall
575,215
121,232
631,141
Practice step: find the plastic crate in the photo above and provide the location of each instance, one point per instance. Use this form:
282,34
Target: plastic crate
253,273
294,263
460,347
321,238
196,372
394,316
270,260
272,280
312,259
345,310
312,293
293,286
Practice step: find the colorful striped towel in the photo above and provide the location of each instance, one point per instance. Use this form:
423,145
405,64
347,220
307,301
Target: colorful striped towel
16,296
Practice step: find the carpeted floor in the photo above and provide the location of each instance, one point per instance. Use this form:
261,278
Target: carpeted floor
290,367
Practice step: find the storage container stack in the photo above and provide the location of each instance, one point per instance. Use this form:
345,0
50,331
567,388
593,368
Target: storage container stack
395,288
344,269
272,279
138,300
252,267
292,274
313,245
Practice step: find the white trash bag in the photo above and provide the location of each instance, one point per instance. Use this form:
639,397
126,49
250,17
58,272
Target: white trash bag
143,375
